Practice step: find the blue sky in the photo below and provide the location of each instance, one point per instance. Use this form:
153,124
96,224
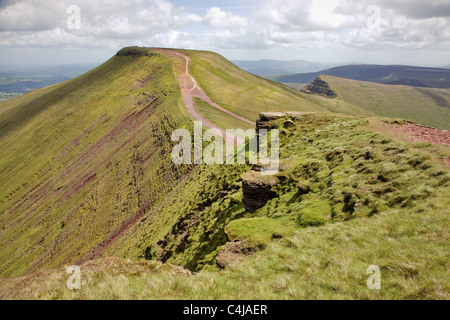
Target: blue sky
327,31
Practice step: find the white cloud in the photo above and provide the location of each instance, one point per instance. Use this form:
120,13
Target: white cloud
403,23
268,25
31,16
217,18
99,20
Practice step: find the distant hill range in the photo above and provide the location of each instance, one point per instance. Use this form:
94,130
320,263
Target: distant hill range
17,80
393,75
279,67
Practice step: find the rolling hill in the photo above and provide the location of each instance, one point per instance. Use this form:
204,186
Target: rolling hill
427,106
86,178
408,75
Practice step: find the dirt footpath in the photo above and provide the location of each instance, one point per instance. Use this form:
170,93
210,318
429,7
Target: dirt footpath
418,133
190,90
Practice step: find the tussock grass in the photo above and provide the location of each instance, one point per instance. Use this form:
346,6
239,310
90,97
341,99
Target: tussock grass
327,262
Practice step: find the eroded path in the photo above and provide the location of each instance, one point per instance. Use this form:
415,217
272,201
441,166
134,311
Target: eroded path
415,132
190,90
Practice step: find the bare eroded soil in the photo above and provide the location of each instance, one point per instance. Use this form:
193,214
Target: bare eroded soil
418,133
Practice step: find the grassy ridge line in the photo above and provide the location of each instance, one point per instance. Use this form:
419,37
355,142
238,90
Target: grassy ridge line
248,95
190,213
191,92
308,263
366,174
328,262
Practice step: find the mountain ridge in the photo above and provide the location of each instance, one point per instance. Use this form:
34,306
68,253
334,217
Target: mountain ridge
384,74
269,67
87,179
97,146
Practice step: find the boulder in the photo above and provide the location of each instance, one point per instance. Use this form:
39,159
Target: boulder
257,189
267,120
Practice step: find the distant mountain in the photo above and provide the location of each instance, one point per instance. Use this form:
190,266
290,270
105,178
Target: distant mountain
278,67
406,75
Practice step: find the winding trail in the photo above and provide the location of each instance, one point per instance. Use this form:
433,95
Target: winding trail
190,90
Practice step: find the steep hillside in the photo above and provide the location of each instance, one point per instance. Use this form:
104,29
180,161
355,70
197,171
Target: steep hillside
427,106
86,174
346,198
84,160
408,75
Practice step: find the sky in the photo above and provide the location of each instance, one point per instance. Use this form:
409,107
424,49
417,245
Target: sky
46,32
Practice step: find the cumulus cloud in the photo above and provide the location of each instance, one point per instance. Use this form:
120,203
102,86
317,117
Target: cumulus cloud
264,25
28,22
404,25
217,18
401,24
308,15
417,9
31,16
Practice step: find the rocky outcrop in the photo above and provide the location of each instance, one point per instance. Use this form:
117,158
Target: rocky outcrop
257,189
269,120
320,87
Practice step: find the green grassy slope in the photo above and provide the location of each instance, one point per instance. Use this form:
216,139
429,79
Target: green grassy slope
349,173
347,198
427,106
82,160
86,173
248,95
